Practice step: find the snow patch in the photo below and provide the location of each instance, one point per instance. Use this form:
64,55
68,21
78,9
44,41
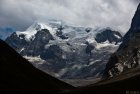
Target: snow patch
93,62
118,37
105,44
34,59
77,66
61,72
91,41
21,50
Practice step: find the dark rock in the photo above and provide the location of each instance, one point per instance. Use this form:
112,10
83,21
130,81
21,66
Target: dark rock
109,35
17,42
37,46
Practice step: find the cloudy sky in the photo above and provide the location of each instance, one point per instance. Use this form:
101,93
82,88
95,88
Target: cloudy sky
19,14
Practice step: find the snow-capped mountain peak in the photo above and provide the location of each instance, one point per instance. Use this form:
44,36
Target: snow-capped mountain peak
33,29
38,26
63,47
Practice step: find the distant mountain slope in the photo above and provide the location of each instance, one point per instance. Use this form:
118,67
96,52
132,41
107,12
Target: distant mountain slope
65,51
18,76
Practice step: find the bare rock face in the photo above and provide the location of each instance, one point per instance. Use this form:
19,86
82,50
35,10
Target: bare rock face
36,46
128,54
17,42
115,36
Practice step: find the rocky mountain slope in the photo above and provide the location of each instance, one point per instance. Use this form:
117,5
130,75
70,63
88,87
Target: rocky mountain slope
18,76
128,54
66,51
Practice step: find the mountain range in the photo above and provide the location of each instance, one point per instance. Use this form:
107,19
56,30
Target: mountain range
65,51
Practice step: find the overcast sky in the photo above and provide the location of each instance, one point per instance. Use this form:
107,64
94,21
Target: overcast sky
117,14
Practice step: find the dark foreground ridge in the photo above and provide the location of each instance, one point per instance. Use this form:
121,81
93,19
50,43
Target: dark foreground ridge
18,76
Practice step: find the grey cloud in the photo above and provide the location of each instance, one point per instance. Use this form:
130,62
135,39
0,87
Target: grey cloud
97,13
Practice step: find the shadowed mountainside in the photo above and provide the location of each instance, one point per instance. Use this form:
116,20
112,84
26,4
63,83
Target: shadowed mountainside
18,76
